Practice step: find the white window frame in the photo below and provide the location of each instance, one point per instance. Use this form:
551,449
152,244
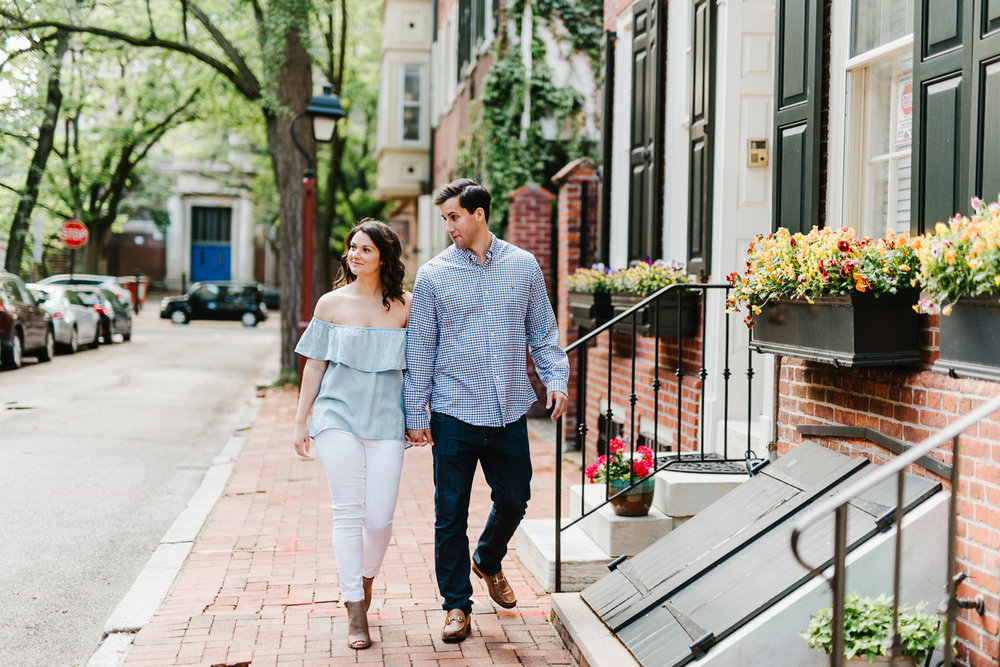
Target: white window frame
847,96
420,104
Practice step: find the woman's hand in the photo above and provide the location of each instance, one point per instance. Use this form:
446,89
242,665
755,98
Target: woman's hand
301,440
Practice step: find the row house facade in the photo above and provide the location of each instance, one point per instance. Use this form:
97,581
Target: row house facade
721,120
727,119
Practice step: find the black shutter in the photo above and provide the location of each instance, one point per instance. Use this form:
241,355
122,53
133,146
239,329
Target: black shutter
956,151
798,101
465,37
607,88
986,108
646,143
701,149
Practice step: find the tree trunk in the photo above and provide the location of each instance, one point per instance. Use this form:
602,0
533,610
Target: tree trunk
294,91
46,137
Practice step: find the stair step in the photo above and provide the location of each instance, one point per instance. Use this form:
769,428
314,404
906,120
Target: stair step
684,494
583,562
616,535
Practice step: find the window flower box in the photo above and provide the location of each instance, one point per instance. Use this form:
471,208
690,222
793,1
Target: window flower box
859,329
590,309
960,273
829,296
669,307
970,338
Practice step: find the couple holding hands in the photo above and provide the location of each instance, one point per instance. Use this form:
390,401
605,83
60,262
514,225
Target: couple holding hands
461,338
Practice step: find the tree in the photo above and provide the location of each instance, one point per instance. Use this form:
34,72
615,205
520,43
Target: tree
217,36
28,195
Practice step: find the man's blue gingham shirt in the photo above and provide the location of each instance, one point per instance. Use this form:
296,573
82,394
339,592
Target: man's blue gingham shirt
470,327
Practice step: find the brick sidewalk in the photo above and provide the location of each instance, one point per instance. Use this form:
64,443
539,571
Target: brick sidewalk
260,586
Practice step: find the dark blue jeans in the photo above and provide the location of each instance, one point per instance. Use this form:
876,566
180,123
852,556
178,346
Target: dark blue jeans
505,458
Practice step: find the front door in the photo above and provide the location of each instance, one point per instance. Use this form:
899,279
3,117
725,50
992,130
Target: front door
211,249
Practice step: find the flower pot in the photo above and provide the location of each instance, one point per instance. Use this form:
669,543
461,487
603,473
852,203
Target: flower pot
970,338
855,330
635,502
589,309
670,310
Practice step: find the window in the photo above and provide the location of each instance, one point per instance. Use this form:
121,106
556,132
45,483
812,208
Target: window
411,117
211,224
880,116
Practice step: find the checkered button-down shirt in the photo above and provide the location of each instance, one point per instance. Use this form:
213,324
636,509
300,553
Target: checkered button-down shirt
470,326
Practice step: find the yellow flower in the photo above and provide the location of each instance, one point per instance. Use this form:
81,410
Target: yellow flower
904,268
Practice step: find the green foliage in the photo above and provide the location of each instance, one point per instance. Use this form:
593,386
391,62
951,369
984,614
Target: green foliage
867,629
583,20
497,151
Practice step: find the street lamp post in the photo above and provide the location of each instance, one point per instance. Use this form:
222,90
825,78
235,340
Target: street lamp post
323,111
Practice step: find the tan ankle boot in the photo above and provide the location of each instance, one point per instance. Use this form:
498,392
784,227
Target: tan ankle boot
357,626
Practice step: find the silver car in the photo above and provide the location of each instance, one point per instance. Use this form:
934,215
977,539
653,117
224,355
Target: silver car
107,282
75,322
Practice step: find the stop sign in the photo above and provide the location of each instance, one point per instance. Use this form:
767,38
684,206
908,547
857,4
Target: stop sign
74,234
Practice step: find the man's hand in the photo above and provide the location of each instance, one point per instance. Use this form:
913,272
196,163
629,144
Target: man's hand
556,401
418,437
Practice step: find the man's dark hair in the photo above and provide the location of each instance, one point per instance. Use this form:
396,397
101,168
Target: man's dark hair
471,195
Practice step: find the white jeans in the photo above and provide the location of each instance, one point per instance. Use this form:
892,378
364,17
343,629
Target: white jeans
364,481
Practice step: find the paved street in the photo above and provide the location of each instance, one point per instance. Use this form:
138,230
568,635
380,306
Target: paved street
101,452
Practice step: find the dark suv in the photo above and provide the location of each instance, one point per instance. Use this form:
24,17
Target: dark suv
217,301
25,327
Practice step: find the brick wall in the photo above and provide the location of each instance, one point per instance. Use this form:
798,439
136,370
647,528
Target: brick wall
574,181
529,226
910,405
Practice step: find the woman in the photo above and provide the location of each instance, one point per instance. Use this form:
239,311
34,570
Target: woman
352,384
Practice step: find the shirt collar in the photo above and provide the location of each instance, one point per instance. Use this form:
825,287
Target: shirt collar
490,252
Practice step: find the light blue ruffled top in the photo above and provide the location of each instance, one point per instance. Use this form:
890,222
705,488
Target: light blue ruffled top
362,388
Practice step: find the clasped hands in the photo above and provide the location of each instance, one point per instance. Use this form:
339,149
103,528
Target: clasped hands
556,401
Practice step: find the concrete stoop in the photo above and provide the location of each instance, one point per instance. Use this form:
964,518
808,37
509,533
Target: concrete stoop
591,544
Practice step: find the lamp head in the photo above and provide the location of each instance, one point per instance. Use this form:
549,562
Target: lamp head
324,111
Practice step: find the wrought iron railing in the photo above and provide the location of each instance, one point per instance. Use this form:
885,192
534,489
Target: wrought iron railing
838,505
695,450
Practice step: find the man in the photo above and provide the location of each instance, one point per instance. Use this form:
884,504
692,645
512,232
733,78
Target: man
477,307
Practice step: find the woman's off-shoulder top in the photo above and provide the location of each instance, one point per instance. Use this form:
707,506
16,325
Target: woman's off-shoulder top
362,388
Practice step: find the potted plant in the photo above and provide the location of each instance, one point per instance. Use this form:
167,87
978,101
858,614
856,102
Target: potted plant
619,473
589,296
832,297
960,274
868,628
678,311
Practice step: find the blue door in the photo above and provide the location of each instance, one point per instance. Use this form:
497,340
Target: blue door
210,242
210,262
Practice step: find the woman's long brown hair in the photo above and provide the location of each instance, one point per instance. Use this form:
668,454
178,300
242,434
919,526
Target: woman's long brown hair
390,250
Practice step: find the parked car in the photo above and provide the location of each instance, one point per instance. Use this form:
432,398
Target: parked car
243,301
108,282
25,327
116,316
73,321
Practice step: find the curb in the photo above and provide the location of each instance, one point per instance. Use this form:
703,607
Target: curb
157,578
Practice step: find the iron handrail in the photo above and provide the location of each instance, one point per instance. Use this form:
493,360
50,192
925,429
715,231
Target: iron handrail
560,526
839,503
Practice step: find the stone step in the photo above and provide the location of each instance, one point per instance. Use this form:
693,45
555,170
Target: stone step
681,495
616,535
583,562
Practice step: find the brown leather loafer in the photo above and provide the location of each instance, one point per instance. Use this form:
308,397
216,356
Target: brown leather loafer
456,626
500,590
